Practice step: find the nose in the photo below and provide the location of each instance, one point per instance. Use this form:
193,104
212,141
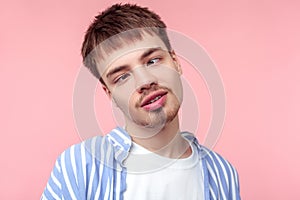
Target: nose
143,79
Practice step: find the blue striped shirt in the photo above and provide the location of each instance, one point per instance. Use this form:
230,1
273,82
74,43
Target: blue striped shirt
94,169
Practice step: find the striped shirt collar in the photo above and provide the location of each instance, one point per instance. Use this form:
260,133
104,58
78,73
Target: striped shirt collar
122,142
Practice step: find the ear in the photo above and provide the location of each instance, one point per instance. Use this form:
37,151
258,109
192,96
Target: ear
176,61
107,91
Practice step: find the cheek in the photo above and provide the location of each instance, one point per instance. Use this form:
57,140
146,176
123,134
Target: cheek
177,89
173,82
123,96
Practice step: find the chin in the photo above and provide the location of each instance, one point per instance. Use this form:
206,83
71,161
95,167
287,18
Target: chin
158,118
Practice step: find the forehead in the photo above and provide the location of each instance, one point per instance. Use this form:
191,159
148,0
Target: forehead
146,42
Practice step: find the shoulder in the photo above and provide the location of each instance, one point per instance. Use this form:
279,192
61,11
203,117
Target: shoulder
213,160
85,152
76,168
102,150
85,167
222,175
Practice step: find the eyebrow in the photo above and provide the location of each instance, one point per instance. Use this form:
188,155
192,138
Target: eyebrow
149,52
142,57
116,69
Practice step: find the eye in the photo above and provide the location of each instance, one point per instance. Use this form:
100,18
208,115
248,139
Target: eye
153,61
121,78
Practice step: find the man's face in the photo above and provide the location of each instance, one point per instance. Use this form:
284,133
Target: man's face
143,79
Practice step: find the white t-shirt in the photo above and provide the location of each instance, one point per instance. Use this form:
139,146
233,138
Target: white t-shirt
154,177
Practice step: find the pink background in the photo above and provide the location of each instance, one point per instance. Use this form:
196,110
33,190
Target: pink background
255,45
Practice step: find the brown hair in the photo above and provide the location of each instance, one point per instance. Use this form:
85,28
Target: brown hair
113,21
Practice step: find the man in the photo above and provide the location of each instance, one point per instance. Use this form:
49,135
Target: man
128,50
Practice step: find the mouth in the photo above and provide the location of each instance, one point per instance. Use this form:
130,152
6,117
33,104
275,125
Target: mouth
154,101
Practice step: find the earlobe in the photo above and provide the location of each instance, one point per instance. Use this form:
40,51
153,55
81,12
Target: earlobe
177,62
107,91
179,69
114,102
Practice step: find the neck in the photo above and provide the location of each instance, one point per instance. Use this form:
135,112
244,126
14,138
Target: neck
165,141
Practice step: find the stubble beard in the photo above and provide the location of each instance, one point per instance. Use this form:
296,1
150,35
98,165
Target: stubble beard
159,118
154,120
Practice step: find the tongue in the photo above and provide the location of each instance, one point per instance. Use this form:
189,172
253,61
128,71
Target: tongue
155,104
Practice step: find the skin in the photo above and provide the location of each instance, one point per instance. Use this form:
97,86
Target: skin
132,74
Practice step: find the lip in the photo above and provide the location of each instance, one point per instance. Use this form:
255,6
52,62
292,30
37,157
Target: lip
151,96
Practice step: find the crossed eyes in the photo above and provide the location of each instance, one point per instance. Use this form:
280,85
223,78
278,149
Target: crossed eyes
122,77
